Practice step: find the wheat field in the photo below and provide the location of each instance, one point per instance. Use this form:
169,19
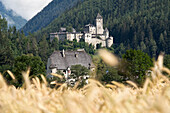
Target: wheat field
36,97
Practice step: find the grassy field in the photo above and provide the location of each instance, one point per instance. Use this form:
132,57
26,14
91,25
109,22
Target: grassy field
36,97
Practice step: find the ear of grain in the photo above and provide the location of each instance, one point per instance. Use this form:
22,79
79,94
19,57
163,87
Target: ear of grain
166,70
111,86
57,75
44,79
118,84
76,85
38,83
53,82
11,74
132,83
108,58
160,61
35,82
2,82
26,78
146,85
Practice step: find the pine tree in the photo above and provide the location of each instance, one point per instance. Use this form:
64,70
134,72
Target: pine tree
55,44
43,49
161,43
153,47
142,46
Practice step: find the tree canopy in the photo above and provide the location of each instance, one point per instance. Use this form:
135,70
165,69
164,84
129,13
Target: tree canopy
79,70
134,65
22,63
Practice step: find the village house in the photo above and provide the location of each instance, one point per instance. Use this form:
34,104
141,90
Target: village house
63,60
92,34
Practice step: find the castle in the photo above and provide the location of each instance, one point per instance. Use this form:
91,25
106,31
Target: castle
92,34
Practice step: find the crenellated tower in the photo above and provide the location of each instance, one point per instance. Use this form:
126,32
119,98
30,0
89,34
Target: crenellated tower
99,25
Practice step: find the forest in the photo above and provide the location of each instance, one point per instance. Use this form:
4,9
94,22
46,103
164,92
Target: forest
137,24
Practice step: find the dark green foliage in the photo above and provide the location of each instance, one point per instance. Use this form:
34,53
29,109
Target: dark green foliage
74,45
134,65
105,73
111,75
44,49
55,44
79,70
6,52
119,49
100,69
22,63
167,61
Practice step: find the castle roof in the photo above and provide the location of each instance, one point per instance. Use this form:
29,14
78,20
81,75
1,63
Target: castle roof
70,58
63,29
106,29
99,16
89,25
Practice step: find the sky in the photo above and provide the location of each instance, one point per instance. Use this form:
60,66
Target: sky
26,8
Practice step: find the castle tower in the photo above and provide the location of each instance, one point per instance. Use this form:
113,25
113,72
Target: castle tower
106,33
99,24
109,42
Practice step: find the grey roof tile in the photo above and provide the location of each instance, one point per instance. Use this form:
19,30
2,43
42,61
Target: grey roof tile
71,58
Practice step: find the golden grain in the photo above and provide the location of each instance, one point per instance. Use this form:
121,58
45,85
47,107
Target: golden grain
36,97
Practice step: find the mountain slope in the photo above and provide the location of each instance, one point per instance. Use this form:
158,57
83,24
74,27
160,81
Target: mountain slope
12,18
138,24
49,13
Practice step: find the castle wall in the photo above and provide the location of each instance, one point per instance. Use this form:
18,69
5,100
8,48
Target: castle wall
92,29
103,37
78,36
52,36
87,37
62,37
109,41
95,41
106,33
70,36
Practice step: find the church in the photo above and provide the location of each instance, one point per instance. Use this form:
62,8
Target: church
92,34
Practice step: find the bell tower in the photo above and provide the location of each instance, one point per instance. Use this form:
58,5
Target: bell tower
99,24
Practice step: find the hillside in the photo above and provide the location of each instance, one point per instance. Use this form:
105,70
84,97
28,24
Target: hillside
12,18
48,14
138,24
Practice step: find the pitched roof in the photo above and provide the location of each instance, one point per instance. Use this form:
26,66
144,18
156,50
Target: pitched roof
71,58
99,16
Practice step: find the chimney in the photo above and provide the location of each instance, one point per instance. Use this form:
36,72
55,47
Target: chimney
63,53
76,55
